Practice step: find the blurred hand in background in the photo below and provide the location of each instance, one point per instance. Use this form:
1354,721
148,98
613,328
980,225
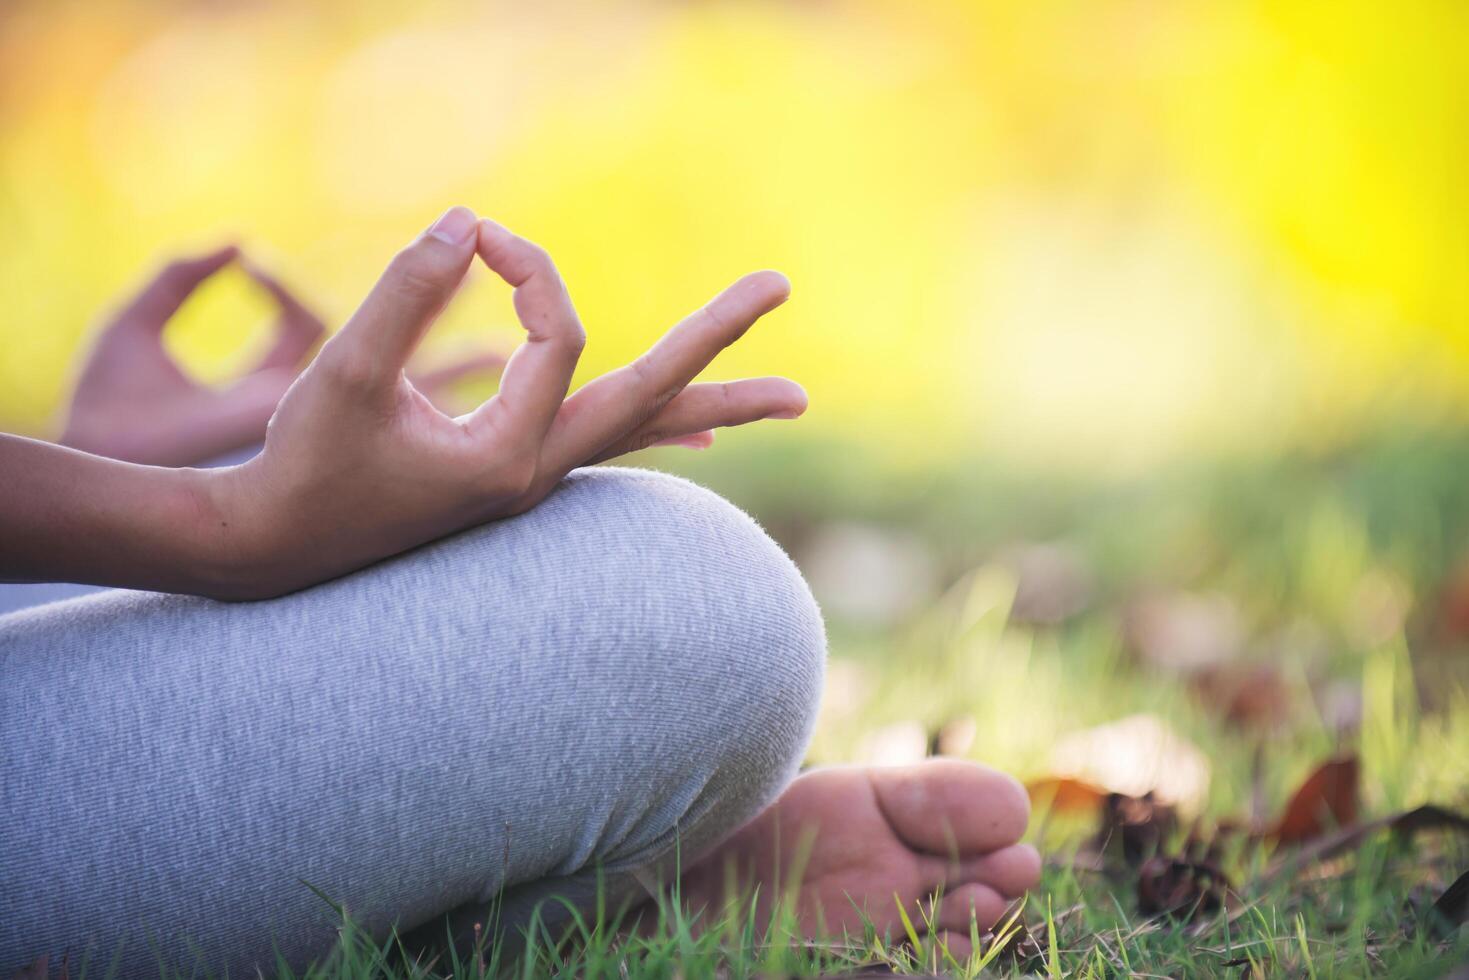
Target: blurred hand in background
134,402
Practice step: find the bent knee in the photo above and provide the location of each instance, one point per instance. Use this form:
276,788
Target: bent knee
662,634
742,670
743,612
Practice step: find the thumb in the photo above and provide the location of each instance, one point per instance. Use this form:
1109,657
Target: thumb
418,284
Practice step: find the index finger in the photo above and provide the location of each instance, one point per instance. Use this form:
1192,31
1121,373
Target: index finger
174,283
535,379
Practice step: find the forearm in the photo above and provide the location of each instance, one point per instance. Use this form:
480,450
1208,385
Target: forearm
68,516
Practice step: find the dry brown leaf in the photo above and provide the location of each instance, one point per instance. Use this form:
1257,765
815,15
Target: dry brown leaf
869,574
1063,794
1405,823
1250,697
1053,583
1185,632
1134,829
1183,890
1326,801
1452,908
1135,756
1452,621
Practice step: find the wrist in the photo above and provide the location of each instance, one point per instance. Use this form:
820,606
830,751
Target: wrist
68,516
225,557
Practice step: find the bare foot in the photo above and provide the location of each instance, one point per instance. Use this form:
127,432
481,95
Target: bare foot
863,840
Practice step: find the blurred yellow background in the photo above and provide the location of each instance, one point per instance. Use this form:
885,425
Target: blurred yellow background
1097,232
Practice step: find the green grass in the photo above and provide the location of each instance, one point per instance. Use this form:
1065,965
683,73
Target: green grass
1301,549
1351,923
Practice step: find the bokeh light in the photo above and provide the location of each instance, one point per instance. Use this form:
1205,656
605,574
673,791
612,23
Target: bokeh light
1097,233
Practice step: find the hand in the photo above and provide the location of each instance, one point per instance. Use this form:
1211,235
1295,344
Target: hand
359,465
133,402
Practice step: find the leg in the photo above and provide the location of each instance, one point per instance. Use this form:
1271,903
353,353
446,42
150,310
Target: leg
17,596
629,668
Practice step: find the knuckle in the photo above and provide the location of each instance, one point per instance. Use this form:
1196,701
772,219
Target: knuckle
653,388
716,320
576,339
535,255
728,414
641,369
415,273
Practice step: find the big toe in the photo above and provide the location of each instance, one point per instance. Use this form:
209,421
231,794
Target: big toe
951,807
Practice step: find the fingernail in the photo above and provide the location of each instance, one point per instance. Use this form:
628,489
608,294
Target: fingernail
454,226
789,413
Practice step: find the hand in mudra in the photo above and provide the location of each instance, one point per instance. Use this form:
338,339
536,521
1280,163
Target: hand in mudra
134,402
359,465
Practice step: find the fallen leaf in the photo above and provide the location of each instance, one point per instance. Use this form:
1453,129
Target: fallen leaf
1379,608
1340,704
1135,756
1134,829
1251,697
1178,889
1062,794
1325,801
1407,823
1452,908
1185,632
1452,621
1053,583
869,574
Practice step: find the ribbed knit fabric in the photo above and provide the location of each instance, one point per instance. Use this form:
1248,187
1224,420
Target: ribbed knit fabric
629,669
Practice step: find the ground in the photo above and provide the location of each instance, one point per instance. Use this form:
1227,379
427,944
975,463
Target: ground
1260,617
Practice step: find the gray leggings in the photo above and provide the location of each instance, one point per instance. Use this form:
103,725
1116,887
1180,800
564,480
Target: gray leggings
591,691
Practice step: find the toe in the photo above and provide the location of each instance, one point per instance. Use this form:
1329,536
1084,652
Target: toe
974,901
1012,871
952,807
956,944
